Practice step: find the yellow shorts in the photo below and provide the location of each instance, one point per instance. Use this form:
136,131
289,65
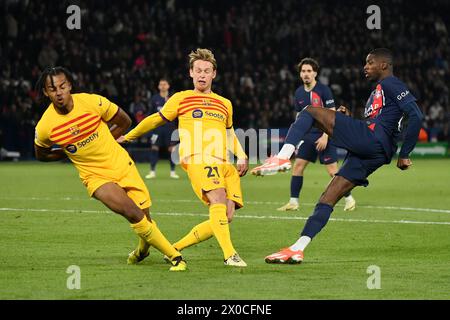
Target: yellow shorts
210,176
132,183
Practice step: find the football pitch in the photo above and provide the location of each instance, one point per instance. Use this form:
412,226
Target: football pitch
401,227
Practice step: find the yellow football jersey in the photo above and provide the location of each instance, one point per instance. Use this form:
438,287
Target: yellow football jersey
85,137
202,122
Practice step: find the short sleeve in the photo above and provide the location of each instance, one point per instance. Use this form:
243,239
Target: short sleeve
41,137
170,110
106,109
328,100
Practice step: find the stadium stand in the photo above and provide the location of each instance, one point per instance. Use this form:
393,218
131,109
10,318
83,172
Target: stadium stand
124,47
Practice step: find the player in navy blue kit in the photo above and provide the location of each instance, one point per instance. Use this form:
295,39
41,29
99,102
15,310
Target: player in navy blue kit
161,136
315,143
371,143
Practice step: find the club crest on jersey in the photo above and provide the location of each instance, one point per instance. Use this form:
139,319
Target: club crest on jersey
197,113
74,130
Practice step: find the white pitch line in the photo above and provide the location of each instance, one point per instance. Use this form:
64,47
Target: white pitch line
408,209
237,216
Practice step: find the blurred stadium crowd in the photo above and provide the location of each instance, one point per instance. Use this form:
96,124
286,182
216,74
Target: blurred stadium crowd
124,47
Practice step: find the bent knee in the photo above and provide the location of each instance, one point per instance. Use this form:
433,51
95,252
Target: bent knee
331,174
217,196
133,213
298,166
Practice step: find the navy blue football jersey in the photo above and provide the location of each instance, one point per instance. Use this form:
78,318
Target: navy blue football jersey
319,96
157,102
384,111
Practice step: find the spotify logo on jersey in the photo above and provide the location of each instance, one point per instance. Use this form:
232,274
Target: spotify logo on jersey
197,113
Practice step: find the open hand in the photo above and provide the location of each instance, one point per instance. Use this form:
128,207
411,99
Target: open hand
321,143
242,167
121,139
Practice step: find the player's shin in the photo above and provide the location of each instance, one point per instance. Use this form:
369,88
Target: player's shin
199,233
152,235
219,225
296,187
154,157
143,245
317,220
299,128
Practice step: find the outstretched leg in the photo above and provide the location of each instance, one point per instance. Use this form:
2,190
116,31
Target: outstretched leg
336,189
350,203
315,223
115,198
322,118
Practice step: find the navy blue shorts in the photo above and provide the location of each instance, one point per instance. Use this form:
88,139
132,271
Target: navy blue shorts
365,152
162,136
307,151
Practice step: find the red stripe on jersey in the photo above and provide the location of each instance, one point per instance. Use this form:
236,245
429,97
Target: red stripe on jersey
316,101
81,132
71,121
201,108
78,124
83,136
200,98
224,110
377,102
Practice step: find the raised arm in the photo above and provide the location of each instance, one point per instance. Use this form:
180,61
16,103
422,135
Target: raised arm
151,122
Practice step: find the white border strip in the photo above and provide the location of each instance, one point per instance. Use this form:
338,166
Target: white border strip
237,216
409,209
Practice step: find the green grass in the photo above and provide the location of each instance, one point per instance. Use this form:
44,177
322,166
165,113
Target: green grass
37,247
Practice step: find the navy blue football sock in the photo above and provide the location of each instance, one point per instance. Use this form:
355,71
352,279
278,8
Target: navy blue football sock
172,165
317,220
296,186
154,155
299,128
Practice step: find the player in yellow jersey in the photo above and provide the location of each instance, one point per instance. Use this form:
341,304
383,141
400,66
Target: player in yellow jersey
205,130
85,127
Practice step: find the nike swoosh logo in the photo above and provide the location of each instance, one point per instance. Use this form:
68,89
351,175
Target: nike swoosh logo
235,196
100,103
141,203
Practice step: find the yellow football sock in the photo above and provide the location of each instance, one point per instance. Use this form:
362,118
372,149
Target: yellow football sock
219,225
143,246
149,232
199,233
